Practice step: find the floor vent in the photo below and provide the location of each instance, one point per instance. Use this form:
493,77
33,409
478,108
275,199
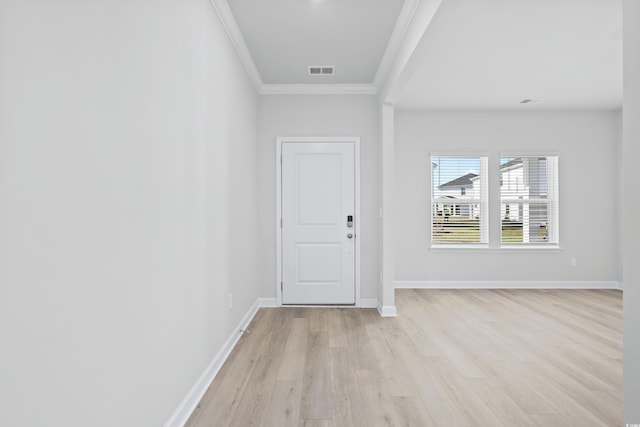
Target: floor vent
322,70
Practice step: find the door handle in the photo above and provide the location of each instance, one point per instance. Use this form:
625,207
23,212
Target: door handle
350,236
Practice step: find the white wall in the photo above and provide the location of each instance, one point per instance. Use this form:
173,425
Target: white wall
631,206
320,115
587,144
127,207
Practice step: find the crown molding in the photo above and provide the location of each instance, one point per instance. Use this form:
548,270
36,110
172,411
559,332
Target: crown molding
318,89
405,16
230,25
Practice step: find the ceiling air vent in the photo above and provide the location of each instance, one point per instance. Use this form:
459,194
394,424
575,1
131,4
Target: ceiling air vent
322,70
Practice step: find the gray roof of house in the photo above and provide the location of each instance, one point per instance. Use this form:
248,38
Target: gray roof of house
510,163
463,181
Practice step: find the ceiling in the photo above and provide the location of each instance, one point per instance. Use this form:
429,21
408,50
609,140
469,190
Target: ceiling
284,37
475,55
491,54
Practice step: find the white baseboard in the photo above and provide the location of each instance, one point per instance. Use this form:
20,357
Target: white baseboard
267,302
368,303
500,284
364,303
387,310
191,400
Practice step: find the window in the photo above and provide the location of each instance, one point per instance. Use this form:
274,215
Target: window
525,189
458,200
529,200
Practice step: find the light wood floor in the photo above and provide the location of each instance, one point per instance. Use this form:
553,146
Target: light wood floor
451,358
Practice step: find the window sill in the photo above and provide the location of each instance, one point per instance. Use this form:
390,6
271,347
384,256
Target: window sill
532,248
484,248
464,248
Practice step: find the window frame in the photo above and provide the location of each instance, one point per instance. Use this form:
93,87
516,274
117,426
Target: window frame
552,201
483,201
491,203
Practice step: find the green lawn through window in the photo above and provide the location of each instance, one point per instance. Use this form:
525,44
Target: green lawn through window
462,230
454,229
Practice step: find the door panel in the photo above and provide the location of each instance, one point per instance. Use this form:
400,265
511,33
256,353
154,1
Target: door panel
318,194
318,185
318,263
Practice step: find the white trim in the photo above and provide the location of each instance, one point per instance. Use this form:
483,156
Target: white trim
358,216
230,25
267,302
387,310
368,303
386,192
425,23
484,248
505,284
279,141
184,410
278,224
530,153
317,89
346,306
397,35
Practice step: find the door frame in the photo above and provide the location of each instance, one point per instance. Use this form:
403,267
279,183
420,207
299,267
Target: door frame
356,145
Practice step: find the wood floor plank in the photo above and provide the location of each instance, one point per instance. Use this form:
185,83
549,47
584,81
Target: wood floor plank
503,406
424,345
262,381
573,413
317,423
519,389
316,400
606,411
294,358
456,355
456,386
360,347
451,358
284,405
341,366
338,331
412,412
380,407
348,405
549,420
397,376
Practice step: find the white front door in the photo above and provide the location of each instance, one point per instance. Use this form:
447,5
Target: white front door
318,223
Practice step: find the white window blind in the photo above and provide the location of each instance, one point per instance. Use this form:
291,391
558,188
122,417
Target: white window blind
458,200
529,200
